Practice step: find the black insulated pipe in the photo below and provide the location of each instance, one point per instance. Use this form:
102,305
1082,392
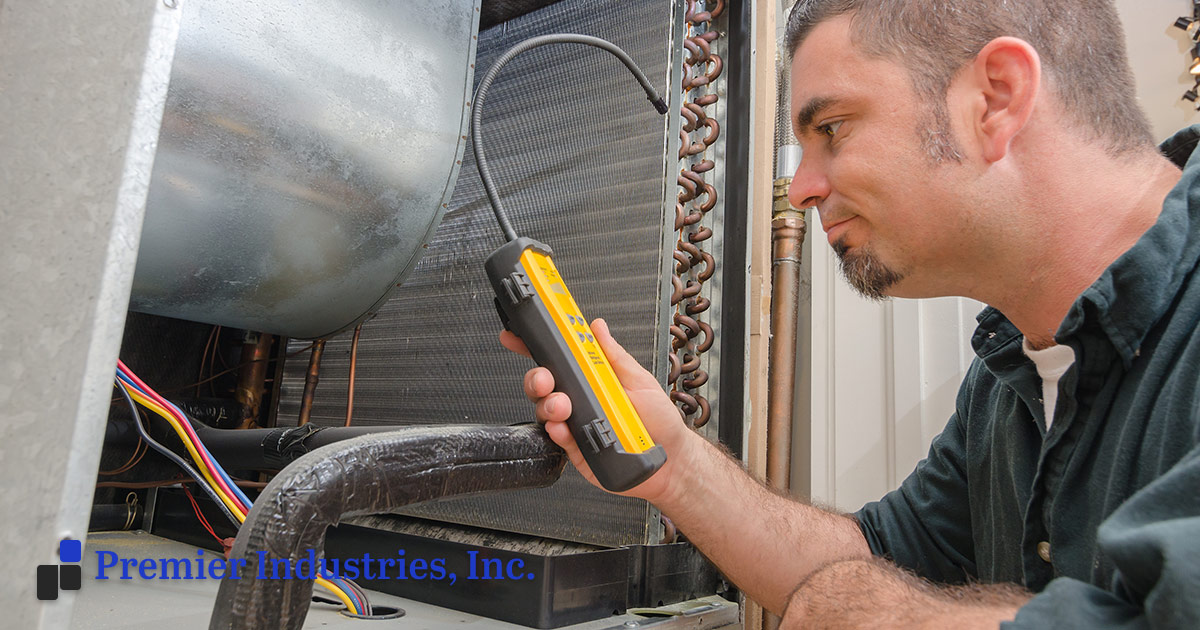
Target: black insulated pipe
115,517
370,474
272,449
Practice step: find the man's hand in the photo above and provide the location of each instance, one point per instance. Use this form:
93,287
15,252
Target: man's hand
658,413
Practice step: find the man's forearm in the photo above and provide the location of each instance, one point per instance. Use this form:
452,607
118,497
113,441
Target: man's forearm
874,593
763,542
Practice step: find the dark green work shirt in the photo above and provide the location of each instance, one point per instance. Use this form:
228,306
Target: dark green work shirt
1100,515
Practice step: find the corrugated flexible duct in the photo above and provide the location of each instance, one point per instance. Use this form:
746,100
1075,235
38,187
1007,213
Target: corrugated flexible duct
370,474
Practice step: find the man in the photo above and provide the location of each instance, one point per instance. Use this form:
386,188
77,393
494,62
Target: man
990,149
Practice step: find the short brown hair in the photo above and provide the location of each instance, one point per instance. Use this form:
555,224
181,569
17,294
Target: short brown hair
1080,42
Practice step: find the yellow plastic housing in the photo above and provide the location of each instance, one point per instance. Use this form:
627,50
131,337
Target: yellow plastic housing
574,329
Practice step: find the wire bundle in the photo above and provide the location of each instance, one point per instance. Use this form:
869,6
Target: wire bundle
211,477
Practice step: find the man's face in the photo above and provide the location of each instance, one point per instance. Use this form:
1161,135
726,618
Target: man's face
880,165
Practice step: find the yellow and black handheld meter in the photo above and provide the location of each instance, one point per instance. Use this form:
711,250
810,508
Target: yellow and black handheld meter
534,303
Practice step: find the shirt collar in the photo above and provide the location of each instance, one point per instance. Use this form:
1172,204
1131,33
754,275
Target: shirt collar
1133,293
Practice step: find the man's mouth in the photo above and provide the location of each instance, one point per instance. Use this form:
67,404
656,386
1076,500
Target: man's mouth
837,229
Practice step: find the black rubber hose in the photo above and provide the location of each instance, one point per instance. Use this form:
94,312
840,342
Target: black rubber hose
370,474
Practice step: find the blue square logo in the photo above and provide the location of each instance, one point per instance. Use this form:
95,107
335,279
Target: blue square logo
70,550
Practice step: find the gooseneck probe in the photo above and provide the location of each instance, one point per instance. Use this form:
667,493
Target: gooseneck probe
481,93
533,301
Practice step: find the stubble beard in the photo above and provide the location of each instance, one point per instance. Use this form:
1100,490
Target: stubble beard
865,273
863,270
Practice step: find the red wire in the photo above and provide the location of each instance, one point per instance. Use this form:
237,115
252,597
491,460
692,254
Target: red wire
200,515
187,428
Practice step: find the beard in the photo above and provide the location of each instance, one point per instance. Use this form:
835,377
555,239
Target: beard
865,273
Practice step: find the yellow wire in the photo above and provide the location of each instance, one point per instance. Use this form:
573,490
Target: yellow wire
329,586
187,443
232,505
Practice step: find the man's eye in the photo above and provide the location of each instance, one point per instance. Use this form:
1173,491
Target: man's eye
829,129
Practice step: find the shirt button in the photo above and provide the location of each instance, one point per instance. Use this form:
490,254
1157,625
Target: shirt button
1043,549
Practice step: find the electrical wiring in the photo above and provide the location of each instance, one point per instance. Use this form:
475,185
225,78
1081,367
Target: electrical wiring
175,417
211,476
236,507
205,466
169,454
200,516
354,594
362,596
178,481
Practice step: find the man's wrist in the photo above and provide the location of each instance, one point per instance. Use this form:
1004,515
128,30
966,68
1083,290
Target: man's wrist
686,464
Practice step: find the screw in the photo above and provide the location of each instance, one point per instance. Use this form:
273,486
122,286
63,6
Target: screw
171,4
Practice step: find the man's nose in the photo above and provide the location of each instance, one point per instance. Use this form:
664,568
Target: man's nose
809,185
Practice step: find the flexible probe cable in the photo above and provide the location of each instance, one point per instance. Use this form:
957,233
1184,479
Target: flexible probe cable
485,173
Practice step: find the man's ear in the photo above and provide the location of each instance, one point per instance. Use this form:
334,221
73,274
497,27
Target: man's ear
1007,75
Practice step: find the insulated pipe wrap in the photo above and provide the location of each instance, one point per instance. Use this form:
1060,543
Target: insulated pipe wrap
370,474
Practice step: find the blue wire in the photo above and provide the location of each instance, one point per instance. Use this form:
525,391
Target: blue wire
340,583
216,466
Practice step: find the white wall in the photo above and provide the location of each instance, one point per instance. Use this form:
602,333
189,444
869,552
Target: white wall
878,380
1160,56
882,379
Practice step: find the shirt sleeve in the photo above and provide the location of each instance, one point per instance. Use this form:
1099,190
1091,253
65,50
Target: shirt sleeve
925,524
1154,542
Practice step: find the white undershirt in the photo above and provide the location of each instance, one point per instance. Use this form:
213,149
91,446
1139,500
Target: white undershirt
1051,364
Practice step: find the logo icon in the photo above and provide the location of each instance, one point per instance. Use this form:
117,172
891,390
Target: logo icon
68,577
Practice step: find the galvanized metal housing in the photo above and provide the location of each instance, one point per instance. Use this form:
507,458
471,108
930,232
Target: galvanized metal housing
306,155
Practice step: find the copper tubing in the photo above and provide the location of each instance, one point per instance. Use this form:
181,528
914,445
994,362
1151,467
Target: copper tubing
787,241
252,378
353,365
690,335
310,381
715,71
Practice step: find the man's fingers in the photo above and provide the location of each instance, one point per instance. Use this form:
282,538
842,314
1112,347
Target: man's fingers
538,383
631,374
561,435
553,408
513,342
